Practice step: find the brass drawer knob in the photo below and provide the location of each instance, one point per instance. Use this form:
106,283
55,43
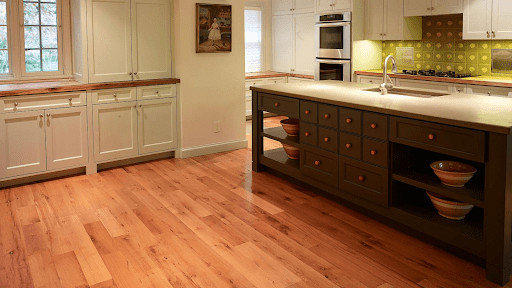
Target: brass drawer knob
373,152
317,162
348,145
373,125
361,178
307,134
326,139
349,120
431,136
326,116
276,104
307,112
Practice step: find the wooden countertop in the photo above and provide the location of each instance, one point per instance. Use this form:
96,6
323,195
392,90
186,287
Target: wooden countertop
493,114
498,81
68,86
275,74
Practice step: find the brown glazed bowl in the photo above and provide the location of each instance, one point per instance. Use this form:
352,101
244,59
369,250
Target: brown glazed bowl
292,151
291,126
449,208
453,174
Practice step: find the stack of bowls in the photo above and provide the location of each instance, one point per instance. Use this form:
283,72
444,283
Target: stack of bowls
291,127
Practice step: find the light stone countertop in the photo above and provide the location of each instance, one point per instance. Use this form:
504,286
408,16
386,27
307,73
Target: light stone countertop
487,113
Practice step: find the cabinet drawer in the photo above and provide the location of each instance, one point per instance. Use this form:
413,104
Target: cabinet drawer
364,180
319,165
350,120
156,92
350,145
375,125
328,139
252,82
309,134
328,116
455,141
113,95
371,79
309,111
375,152
42,101
275,80
280,105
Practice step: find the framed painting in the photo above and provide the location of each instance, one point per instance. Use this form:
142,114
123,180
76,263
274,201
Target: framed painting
213,31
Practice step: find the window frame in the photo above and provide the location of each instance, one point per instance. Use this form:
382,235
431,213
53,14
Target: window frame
263,8
16,44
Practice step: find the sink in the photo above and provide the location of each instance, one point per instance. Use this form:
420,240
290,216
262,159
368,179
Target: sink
413,93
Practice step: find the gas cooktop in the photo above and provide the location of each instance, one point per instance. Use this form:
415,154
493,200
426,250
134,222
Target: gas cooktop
433,73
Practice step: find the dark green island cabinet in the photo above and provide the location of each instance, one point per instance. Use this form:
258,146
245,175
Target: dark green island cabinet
375,151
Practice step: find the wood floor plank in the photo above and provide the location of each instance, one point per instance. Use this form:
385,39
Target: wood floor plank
27,215
117,266
43,269
110,222
254,199
102,240
69,271
93,266
227,232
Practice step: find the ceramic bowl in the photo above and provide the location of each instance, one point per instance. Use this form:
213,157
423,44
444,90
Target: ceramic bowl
291,126
451,173
449,208
292,151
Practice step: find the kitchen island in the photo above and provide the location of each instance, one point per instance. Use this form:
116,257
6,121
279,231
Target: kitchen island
374,151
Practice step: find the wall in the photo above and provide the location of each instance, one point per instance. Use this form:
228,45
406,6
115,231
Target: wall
212,84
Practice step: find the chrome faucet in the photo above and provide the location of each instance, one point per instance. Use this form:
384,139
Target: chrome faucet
385,86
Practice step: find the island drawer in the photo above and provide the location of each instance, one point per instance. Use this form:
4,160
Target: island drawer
375,152
278,104
364,180
350,145
350,120
328,116
375,125
459,142
328,139
309,111
319,165
308,134
42,101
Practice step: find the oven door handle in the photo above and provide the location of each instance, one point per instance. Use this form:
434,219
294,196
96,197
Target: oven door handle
329,61
337,24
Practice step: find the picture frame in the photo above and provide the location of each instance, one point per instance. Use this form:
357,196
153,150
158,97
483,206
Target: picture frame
213,28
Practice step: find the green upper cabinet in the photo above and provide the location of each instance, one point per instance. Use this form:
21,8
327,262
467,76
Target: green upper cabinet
487,19
432,7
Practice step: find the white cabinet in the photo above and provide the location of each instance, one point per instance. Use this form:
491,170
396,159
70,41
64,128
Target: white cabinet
384,20
330,5
489,91
372,79
487,19
43,139
432,7
431,85
131,128
258,82
289,7
128,40
298,80
293,44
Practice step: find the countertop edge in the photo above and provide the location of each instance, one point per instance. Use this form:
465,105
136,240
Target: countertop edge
459,123
278,74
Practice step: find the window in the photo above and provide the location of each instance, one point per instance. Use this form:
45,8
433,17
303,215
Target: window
253,37
31,39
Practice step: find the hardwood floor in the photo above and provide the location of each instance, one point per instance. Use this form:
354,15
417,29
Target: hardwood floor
205,222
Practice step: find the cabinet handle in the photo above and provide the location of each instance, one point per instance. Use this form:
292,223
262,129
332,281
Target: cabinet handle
431,136
326,116
15,104
458,90
318,162
493,34
157,92
130,73
70,99
432,8
489,93
41,115
348,145
135,73
373,152
48,115
307,112
371,81
326,139
349,120
361,178
140,105
428,8
276,104
307,134
488,34
373,125
115,95
384,34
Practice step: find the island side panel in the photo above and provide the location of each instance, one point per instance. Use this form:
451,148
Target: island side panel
257,129
498,208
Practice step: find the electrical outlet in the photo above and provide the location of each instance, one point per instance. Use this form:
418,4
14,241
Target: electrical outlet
216,127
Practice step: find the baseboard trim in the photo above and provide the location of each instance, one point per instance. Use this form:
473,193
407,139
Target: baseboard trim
214,148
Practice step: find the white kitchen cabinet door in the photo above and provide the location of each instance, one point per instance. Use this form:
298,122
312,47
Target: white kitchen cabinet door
304,6
323,5
282,7
477,19
364,79
115,131
489,91
374,19
66,137
248,106
443,7
304,44
157,125
429,85
283,43
109,40
22,143
501,19
151,39
417,7
341,4
393,19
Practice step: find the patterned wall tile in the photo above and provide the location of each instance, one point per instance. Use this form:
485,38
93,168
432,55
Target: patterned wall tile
484,57
472,57
460,57
484,69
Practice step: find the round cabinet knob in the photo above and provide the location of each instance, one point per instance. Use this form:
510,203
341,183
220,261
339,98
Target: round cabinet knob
70,99
157,92
373,152
326,116
276,104
317,162
135,73
115,95
371,81
48,115
373,125
307,112
361,178
349,120
326,139
458,90
489,93
41,115
428,8
306,134
130,73
348,145
15,104
140,105
431,136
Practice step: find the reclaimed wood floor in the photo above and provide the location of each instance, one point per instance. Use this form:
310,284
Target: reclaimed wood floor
205,222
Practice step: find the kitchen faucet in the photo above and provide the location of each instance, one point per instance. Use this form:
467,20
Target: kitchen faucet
385,86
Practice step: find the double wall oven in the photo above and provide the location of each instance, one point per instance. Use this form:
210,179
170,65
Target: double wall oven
333,41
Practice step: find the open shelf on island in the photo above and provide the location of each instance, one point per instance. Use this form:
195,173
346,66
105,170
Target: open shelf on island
277,159
278,134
